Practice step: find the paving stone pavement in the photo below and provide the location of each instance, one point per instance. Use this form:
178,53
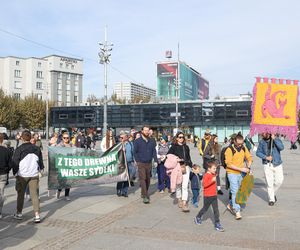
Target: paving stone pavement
96,218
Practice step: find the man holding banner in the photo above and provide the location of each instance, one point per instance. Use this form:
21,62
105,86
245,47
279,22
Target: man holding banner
269,151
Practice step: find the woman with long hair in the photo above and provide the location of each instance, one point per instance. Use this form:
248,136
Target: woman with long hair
212,153
182,151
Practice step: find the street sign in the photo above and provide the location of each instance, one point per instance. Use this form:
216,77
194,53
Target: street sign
173,114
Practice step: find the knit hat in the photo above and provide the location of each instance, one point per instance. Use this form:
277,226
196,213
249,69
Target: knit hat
165,138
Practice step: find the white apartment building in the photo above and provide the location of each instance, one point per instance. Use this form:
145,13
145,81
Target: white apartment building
61,76
130,90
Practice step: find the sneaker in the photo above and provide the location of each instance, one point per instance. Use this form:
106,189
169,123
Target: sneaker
161,191
195,205
219,227
37,219
68,198
185,208
125,195
271,203
146,200
180,203
132,183
197,220
220,192
230,209
119,193
238,215
57,194
18,216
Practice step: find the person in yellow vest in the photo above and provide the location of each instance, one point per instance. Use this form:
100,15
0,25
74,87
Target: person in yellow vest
202,144
236,156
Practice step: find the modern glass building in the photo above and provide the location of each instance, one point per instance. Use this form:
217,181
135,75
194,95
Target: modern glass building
192,85
221,117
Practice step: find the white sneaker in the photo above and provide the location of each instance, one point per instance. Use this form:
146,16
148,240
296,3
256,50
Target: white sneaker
18,216
37,219
57,194
68,198
238,215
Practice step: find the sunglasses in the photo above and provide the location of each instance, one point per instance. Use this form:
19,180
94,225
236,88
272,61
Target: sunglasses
66,137
180,137
122,137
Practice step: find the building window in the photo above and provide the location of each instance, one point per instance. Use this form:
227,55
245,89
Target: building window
75,98
39,96
17,96
39,64
62,116
39,85
59,86
17,85
59,97
17,63
68,86
76,86
17,73
61,65
69,76
77,77
59,75
67,66
89,116
72,66
68,98
39,74
241,113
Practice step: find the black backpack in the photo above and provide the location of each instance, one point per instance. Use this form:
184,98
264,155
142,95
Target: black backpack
223,163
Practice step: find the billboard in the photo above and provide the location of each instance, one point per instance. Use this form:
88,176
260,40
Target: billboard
192,85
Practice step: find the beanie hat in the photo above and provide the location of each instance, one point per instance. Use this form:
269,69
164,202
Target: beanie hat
165,138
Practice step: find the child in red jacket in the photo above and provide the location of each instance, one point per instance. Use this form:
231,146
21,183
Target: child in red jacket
210,196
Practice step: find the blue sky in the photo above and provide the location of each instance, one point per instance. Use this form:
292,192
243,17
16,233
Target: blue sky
229,42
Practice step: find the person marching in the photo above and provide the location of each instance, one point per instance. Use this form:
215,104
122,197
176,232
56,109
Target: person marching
122,186
182,151
212,153
195,178
27,161
64,143
144,152
236,156
163,178
268,150
210,196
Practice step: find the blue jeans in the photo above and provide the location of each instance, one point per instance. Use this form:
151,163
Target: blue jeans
235,181
131,170
195,195
163,178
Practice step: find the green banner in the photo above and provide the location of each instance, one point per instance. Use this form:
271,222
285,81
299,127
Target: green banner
71,166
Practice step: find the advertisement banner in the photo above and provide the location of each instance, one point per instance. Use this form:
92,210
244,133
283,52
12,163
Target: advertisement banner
71,166
275,108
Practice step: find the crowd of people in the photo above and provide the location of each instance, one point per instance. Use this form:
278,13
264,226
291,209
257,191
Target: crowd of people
170,156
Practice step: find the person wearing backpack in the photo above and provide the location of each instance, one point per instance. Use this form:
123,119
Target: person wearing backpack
236,156
212,153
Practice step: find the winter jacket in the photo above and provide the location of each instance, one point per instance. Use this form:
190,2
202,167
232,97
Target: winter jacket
144,150
182,151
173,170
27,160
264,150
5,160
195,180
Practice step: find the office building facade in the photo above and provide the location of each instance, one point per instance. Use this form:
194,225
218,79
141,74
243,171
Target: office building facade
127,91
60,76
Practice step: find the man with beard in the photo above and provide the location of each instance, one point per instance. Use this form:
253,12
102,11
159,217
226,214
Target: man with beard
144,152
269,151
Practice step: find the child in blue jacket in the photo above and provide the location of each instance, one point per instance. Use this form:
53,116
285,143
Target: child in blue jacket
195,178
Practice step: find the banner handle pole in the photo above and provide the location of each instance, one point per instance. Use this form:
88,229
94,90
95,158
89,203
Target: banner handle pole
123,147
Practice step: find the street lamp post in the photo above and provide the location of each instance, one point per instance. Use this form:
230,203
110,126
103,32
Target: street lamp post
104,55
47,113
